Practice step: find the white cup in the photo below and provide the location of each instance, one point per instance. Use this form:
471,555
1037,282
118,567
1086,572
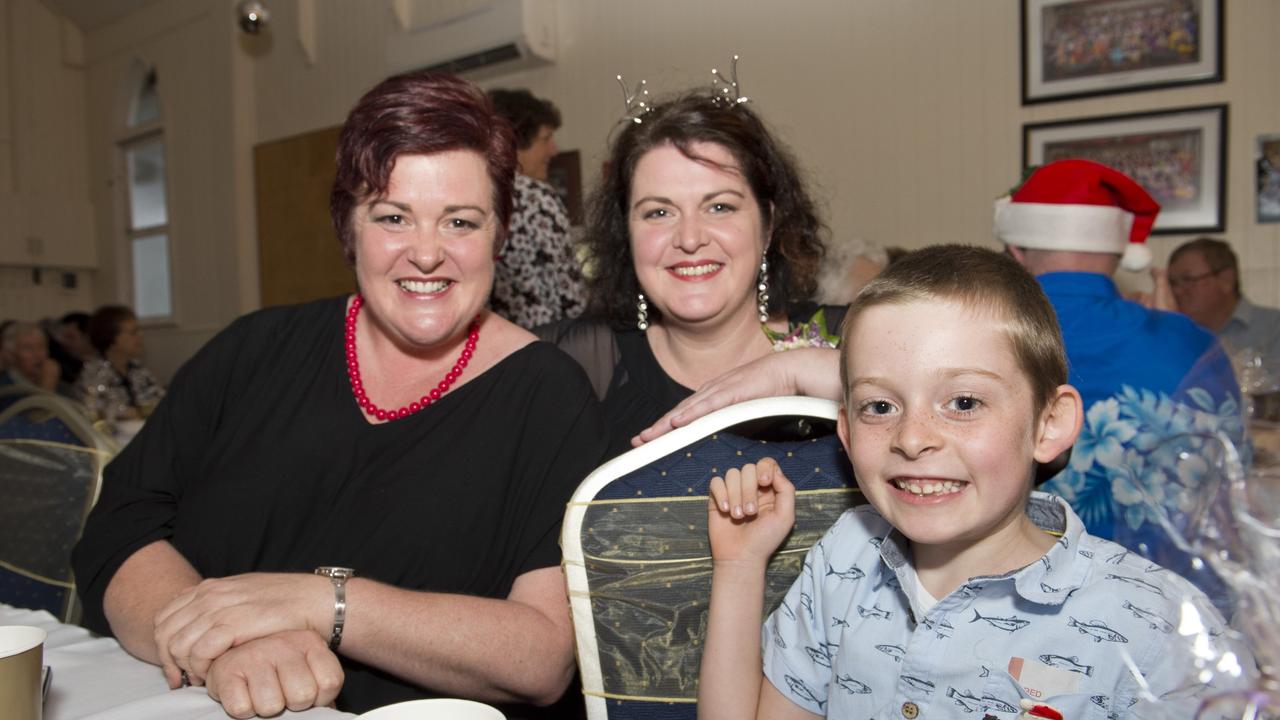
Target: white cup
437,709
21,660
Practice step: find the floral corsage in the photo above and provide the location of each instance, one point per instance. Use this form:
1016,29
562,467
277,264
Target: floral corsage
810,334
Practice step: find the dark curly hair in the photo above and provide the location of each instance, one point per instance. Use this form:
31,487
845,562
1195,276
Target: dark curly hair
795,246
104,326
418,113
526,112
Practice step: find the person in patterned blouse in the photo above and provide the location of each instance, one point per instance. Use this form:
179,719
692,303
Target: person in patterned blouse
538,279
115,384
958,591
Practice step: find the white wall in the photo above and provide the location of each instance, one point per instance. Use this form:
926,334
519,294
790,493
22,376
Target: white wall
905,114
42,151
192,46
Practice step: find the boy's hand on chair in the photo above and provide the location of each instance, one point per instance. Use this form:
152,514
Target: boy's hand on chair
750,511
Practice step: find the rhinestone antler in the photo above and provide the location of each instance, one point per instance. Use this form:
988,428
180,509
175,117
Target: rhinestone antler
636,103
727,91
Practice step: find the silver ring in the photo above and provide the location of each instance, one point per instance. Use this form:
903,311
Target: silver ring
186,679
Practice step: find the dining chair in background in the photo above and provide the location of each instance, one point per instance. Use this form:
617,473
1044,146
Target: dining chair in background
51,462
638,560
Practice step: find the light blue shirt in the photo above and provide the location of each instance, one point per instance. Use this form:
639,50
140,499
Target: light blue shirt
1254,331
849,641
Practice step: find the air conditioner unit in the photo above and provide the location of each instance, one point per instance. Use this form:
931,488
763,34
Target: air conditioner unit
480,38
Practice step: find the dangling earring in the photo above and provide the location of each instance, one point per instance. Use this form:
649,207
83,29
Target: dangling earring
762,291
642,314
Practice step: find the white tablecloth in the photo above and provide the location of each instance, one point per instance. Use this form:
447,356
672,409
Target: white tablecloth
95,679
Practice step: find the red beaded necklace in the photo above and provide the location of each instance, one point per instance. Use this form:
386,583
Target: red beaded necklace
357,388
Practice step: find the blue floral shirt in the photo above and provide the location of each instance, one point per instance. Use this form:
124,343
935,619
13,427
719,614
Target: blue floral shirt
850,639
1146,376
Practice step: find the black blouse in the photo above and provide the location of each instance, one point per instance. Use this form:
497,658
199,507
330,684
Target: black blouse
632,386
259,459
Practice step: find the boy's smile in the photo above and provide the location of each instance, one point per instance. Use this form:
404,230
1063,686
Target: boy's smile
940,425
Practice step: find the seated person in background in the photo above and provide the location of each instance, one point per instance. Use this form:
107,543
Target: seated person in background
413,449
1205,277
538,279
958,589
24,352
846,268
70,345
705,247
114,383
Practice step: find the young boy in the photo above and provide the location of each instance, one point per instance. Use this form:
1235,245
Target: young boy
957,592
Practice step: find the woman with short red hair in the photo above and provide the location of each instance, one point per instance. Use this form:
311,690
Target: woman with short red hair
412,448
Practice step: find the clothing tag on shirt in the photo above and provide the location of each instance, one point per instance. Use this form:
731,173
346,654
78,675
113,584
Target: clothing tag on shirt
1040,681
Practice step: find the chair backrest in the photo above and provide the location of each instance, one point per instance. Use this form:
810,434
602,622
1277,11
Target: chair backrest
10,394
51,462
638,560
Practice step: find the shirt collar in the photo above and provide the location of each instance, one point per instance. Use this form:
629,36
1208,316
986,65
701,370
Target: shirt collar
1048,581
1242,314
1083,284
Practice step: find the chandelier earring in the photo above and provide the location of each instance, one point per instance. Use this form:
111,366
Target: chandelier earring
762,291
642,313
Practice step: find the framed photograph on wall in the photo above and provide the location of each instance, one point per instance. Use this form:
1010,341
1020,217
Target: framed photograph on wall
1078,48
1268,164
1179,156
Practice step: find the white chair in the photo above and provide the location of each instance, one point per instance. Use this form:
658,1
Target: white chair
637,556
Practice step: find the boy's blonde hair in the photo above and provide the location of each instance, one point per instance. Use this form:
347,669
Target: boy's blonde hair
985,282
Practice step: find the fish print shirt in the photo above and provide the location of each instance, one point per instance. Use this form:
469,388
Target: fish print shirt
849,639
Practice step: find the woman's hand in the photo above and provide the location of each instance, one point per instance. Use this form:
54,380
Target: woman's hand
750,512
291,670
807,371
207,620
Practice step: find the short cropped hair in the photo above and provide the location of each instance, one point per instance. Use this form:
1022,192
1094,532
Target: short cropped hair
1217,254
526,113
795,244
16,330
418,113
985,282
105,324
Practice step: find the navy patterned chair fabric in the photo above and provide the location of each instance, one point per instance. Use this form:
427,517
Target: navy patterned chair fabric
638,560
51,463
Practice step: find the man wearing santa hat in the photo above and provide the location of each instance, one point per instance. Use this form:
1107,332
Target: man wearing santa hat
1145,375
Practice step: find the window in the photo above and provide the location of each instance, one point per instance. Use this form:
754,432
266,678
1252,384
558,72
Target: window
146,200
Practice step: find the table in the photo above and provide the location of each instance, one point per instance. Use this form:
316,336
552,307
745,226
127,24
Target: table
95,679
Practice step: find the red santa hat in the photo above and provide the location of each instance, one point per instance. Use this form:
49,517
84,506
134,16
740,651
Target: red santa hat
1082,206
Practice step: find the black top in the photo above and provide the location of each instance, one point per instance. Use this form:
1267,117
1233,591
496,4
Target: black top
259,459
633,388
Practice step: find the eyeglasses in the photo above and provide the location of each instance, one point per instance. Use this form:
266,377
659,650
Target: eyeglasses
1177,281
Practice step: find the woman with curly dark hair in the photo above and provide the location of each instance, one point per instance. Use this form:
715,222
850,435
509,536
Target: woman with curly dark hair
704,249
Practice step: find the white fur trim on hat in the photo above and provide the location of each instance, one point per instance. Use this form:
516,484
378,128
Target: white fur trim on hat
1136,257
1051,226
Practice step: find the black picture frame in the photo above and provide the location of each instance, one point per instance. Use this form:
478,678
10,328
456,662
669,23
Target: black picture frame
1074,49
1178,155
1267,164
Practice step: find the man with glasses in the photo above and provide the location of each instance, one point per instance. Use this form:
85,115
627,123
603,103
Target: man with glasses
1205,277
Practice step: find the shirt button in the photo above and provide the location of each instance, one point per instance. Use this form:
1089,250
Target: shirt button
910,710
